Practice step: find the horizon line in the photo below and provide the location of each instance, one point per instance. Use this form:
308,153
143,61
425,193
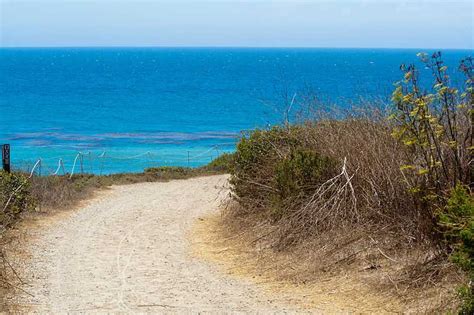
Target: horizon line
234,47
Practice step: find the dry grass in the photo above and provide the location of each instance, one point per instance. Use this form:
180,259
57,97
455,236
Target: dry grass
237,257
362,279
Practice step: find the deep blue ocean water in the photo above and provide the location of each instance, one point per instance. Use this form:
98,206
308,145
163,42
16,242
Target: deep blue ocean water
130,108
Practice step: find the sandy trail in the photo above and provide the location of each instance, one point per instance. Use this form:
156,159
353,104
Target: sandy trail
128,251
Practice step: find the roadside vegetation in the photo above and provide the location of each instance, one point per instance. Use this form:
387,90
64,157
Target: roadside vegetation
384,190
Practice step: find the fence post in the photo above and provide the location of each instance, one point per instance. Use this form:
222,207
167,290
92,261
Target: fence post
82,163
90,162
62,166
102,156
6,157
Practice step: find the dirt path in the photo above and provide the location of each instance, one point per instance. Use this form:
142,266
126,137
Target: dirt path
128,251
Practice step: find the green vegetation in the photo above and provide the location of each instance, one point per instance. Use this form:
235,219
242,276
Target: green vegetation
299,174
273,169
436,126
15,197
255,162
457,223
222,163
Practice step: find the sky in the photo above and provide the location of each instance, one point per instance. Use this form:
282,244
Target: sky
238,23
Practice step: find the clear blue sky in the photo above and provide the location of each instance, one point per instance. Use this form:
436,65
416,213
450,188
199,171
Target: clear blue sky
336,23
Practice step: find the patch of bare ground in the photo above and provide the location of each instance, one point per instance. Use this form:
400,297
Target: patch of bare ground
367,280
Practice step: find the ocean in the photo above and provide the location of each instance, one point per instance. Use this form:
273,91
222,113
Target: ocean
113,110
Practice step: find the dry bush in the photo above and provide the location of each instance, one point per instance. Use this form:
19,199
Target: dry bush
370,189
15,198
362,186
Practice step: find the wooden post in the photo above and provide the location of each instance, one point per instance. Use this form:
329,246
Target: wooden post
188,158
6,157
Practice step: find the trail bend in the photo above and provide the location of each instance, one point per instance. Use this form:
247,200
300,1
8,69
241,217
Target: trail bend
128,251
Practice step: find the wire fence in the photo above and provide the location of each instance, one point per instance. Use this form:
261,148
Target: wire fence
110,162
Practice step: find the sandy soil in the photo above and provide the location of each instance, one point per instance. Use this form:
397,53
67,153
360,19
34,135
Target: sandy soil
128,250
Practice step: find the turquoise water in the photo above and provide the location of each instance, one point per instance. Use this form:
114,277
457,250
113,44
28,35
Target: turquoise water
130,108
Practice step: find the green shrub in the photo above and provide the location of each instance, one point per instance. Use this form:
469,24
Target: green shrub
299,174
436,125
223,163
467,297
261,147
457,222
254,165
274,170
15,197
178,170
